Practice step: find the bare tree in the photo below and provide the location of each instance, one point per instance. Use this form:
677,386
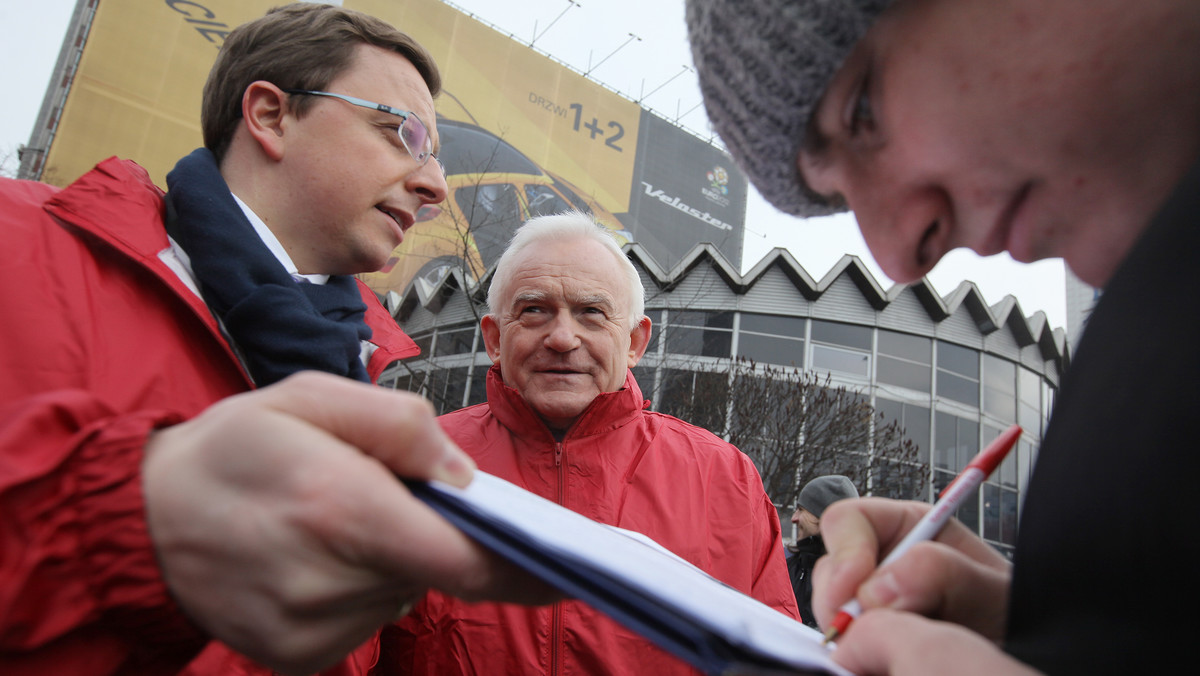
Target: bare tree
797,425
10,162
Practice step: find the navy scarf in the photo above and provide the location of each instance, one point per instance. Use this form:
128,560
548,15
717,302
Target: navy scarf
279,325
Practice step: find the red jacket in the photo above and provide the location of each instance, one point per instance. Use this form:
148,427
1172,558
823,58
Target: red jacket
693,493
100,343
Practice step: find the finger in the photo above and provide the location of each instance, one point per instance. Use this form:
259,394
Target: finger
397,428
902,644
857,534
379,525
937,581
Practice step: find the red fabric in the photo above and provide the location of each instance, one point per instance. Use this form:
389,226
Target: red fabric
693,493
101,343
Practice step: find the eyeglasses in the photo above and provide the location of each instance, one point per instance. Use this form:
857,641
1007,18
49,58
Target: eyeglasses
412,131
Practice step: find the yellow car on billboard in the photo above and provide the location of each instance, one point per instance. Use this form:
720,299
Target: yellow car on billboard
494,188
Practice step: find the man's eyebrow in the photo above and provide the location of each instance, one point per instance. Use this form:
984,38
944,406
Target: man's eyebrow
594,299
529,297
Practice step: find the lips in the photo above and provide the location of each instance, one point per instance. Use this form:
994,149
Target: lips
402,219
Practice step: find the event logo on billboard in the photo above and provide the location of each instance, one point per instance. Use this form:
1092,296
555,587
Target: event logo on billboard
718,186
676,203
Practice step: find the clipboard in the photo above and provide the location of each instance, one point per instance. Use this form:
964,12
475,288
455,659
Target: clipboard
633,580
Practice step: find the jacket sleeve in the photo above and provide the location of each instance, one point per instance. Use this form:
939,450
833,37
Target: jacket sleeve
75,555
772,585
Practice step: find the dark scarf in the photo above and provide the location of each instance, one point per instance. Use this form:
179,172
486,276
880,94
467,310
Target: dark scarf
279,325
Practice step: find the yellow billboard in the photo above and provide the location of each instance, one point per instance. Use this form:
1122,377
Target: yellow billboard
522,134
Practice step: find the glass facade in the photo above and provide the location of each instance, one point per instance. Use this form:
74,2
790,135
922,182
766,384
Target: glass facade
949,391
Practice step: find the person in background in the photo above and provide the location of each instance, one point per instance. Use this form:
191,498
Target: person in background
565,419
808,547
185,453
1044,128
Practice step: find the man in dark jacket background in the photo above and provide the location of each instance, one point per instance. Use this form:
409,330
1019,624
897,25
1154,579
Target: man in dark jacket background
808,547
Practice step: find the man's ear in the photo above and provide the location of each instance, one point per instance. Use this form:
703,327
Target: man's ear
491,337
264,107
639,340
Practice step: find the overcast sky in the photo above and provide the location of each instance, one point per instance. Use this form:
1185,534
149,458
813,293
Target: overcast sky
636,47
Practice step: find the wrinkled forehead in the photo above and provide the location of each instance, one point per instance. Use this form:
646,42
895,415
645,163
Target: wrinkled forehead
574,271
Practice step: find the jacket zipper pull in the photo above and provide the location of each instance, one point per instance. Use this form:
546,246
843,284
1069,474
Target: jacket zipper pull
558,454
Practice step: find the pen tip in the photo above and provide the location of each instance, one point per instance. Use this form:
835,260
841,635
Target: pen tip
830,635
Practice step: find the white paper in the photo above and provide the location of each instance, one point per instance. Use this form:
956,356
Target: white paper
649,569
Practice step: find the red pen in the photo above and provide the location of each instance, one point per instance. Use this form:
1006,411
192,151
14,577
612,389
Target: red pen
951,498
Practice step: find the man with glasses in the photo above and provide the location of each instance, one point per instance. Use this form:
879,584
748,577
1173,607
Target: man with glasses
177,464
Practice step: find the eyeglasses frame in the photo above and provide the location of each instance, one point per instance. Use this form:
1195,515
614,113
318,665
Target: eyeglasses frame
421,158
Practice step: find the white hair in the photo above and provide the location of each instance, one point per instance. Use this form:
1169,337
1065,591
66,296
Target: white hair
568,225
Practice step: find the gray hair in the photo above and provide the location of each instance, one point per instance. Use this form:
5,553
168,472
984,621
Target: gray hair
565,226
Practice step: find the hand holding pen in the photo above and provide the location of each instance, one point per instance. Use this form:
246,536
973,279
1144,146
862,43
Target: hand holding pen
931,523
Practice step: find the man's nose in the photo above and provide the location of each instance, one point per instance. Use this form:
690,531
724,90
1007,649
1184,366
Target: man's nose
563,336
906,224
428,182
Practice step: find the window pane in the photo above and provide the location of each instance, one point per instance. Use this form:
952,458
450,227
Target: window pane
947,438
844,361
697,397
773,324
916,426
903,373
456,389
1000,374
991,512
968,442
423,341
961,360
999,404
478,393
1000,388
1008,516
842,334
891,410
455,342
685,340
1029,390
913,348
715,320
771,349
957,388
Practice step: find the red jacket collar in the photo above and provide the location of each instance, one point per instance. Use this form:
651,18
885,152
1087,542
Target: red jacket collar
607,411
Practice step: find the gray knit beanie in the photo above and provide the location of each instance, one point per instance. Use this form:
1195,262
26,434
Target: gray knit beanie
824,491
763,66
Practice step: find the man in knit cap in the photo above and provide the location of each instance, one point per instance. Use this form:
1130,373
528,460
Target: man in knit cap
1045,128
809,546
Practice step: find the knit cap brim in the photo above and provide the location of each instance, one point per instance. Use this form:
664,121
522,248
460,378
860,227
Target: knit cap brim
763,65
